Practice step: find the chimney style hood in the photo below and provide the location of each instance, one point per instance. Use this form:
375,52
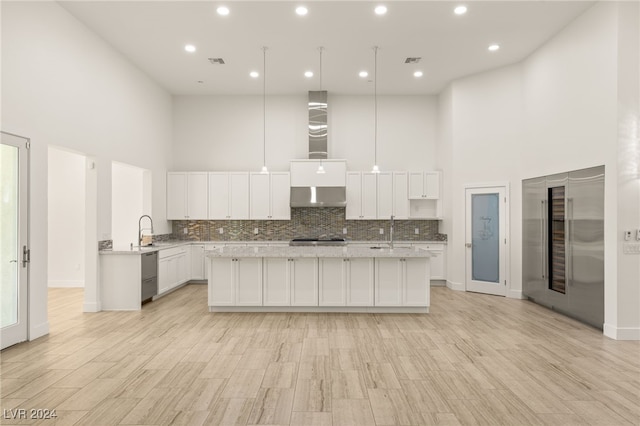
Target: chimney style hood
309,188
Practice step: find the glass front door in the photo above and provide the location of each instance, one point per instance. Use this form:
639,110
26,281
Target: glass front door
13,240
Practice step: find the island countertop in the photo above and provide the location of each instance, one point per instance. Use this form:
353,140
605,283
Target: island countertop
331,251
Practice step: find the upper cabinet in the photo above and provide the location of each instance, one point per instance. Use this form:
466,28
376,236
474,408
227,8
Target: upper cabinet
228,195
424,185
187,195
362,196
377,195
270,196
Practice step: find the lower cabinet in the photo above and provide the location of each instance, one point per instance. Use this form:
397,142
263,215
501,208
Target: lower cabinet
438,262
401,282
174,268
235,282
290,282
346,281
197,262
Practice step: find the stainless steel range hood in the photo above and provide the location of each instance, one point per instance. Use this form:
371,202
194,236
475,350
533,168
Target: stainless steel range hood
309,188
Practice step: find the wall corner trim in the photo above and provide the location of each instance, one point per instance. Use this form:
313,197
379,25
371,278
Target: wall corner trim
39,330
91,307
455,286
515,294
621,333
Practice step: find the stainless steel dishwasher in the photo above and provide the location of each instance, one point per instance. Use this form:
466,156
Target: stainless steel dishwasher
149,275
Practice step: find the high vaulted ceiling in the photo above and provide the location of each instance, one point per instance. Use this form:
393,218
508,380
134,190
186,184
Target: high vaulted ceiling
152,35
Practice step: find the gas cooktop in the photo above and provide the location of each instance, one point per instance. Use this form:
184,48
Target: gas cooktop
318,242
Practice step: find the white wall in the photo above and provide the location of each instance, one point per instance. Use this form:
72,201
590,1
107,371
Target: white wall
63,85
556,111
225,132
127,205
66,224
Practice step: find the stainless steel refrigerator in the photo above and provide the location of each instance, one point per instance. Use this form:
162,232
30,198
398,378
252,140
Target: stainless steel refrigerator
563,243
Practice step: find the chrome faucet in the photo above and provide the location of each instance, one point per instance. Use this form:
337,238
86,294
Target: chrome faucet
391,233
140,227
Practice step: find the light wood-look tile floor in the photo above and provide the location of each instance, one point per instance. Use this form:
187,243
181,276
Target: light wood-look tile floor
474,359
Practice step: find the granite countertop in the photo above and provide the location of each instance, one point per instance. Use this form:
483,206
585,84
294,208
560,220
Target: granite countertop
297,252
136,250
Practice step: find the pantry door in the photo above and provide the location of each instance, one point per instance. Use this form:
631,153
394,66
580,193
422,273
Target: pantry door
14,250
486,240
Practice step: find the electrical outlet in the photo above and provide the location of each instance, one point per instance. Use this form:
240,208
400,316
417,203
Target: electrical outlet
221,231
381,231
185,231
255,231
627,235
416,231
344,231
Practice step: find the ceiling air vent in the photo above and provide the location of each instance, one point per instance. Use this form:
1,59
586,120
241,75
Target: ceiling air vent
216,61
412,60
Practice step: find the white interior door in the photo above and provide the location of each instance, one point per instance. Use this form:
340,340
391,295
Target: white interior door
486,240
14,249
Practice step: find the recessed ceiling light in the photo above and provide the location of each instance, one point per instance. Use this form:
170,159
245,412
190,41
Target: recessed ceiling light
301,10
417,74
380,10
190,48
308,74
222,10
493,47
254,74
363,74
460,10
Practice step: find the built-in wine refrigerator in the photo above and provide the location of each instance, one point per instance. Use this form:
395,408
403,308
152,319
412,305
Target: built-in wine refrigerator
563,243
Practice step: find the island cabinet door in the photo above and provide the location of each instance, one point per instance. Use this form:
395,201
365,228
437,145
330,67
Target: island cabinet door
388,279
221,282
275,285
248,281
304,281
332,291
416,284
359,278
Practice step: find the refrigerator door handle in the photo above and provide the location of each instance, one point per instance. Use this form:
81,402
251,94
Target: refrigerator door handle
543,235
569,241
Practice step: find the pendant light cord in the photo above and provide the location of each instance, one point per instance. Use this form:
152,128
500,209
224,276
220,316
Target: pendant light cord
375,104
264,106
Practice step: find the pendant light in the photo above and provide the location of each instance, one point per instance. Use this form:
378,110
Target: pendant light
375,169
264,111
320,170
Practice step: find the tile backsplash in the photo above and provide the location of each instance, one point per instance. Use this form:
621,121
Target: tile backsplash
306,222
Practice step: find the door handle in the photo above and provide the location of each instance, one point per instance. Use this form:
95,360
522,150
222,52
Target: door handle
468,245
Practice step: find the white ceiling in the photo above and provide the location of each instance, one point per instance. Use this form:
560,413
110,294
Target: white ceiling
152,35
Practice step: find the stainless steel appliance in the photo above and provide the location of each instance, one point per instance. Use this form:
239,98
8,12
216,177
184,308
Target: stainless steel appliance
149,275
321,241
563,243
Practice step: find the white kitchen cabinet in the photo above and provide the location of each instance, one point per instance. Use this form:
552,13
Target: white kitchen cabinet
346,281
384,198
174,268
361,196
400,195
187,195
401,282
197,262
438,261
276,281
235,282
304,281
332,289
424,185
228,195
270,196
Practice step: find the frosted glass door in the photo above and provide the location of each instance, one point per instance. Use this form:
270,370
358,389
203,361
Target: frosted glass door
485,240
13,240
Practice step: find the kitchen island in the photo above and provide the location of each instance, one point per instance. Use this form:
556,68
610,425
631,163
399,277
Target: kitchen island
318,279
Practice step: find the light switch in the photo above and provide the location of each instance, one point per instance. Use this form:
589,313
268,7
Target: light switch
221,230
255,230
344,231
417,231
381,231
627,235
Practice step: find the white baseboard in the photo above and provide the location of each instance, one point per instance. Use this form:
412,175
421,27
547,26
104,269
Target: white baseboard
621,333
91,307
66,283
39,330
455,286
515,294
